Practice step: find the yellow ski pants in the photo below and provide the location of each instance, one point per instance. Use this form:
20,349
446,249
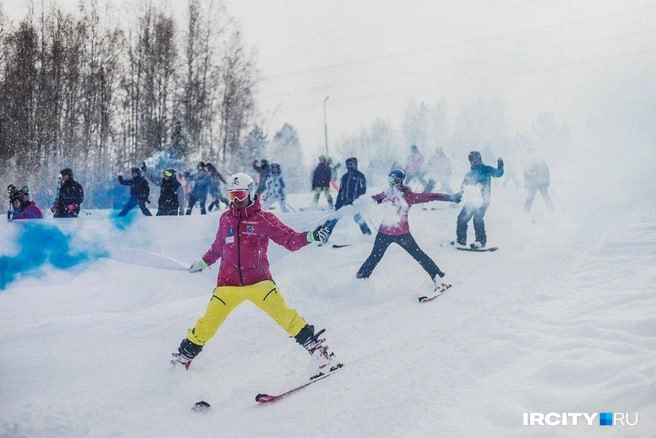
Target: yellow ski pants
225,299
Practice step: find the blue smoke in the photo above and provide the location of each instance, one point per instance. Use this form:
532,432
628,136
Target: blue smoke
39,245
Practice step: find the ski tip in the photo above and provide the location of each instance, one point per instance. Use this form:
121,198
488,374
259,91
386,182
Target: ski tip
422,299
263,398
200,406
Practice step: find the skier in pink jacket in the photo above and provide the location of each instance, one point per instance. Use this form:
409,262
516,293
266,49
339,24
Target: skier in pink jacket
241,242
397,229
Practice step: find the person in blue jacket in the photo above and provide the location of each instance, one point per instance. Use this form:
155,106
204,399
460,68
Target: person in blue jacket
352,186
479,177
201,188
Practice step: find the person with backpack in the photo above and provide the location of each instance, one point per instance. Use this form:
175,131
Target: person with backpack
139,192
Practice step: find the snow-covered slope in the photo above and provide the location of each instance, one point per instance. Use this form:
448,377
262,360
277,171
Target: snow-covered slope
560,319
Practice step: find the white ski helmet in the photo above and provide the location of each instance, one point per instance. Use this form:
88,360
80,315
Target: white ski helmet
241,181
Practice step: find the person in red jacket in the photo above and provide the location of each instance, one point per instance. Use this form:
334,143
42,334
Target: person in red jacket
241,243
397,229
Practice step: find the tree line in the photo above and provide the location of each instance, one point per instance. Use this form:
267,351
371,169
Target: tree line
86,91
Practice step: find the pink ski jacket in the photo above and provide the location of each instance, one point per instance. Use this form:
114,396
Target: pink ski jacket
242,241
402,201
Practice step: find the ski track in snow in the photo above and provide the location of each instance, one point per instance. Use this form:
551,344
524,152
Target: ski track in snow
560,319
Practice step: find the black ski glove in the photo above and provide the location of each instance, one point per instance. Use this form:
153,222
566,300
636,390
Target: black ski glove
500,163
320,234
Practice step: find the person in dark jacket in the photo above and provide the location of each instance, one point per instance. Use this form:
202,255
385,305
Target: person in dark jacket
168,202
476,191
396,229
352,186
201,188
241,244
263,171
139,192
321,181
70,195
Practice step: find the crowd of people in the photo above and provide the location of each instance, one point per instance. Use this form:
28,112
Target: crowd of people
244,229
180,192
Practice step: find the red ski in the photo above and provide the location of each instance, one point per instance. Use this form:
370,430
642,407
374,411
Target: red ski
266,398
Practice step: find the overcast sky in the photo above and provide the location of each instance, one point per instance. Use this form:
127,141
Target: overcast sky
371,56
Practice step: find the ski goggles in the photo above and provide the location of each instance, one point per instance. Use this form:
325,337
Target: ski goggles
168,173
237,195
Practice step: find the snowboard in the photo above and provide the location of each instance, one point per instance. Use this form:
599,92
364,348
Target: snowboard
488,249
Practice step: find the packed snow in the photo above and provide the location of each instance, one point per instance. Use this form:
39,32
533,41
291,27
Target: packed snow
560,319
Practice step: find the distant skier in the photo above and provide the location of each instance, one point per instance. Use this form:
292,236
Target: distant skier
334,170
241,243
70,195
396,229
139,192
414,167
536,178
263,171
276,189
185,194
11,191
439,166
200,190
169,194
321,181
23,208
216,179
476,191
352,186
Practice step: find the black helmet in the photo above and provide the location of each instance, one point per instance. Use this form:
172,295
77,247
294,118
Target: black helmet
169,173
475,156
17,195
264,163
275,166
136,170
200,166
396,177
66,171
352,161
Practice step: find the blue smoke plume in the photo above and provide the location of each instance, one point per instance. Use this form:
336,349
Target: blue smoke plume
39,245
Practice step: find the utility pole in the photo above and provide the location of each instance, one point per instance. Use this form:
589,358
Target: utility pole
325,124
